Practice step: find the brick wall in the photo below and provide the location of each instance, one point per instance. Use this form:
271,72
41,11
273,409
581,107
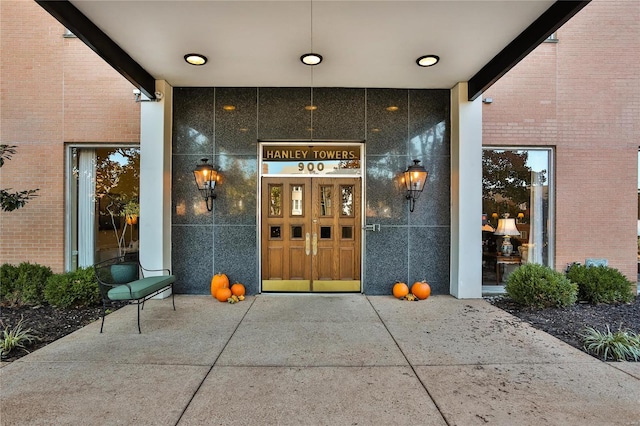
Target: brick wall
582,97
52,90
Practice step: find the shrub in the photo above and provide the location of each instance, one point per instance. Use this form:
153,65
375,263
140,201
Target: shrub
8,279
600,284
23,284
540,287
622,345
32,279
73,289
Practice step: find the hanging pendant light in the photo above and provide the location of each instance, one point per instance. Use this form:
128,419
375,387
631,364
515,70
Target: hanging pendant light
311,58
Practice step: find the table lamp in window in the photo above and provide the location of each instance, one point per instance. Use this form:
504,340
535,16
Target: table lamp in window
507,228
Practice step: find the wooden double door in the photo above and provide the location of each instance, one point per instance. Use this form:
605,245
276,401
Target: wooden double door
311,234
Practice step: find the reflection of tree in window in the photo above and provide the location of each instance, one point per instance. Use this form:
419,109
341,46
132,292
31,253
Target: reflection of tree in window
117,179
117,171
238,187
347,200
275,204
325,201
117,189
505,181
349,164
384,200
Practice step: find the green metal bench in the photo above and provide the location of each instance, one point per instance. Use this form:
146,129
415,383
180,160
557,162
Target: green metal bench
122,280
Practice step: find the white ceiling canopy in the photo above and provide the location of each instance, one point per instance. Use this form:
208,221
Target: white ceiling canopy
259,43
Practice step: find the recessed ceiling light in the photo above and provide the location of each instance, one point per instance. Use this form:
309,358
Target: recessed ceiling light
229,107
427,60
195,59
392,108
311,59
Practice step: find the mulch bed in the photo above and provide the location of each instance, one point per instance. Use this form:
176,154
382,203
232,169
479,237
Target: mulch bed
46,323
567,324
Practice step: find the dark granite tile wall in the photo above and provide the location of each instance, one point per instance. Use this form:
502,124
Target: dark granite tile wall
340,114
429,126
193,120
236,254
429,257
408,247
236,126
386,204
192,252
237,194
387,260
282,113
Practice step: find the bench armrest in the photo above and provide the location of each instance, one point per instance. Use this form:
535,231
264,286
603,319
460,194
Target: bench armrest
143,270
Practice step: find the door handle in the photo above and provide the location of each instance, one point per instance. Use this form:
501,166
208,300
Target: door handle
315,243
307,248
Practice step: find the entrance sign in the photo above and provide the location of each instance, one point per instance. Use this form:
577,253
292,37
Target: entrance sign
310,153
311,159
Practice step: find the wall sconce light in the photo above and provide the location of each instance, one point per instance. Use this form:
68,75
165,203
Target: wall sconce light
414,179
207,176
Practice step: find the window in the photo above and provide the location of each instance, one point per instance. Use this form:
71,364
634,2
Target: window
517,182
103,199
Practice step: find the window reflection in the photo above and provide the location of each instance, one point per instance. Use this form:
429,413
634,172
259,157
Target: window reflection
347,200
275,200
104,213
296,200
325,201
517,183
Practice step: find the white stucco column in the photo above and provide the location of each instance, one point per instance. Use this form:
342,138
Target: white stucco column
155,181
466,194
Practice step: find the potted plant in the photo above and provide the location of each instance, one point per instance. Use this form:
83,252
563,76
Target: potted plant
131,211
124,271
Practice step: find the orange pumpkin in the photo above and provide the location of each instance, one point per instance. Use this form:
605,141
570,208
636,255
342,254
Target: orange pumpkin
237,289
222,294
400,290
219,280
421,289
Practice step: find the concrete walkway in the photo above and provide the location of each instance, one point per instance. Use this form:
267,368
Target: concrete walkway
316,360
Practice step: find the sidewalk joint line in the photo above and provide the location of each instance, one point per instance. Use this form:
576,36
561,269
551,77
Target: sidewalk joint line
214,362
408,362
